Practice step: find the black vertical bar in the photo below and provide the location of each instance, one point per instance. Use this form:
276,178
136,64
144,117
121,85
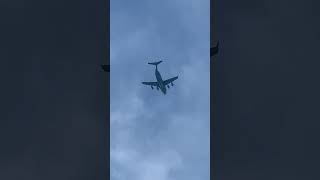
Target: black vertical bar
107,57
213,112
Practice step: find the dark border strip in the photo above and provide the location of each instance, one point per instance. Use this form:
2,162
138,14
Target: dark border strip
214,49
107,81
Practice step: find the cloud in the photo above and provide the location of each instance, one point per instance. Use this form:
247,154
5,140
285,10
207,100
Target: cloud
156,136
136,165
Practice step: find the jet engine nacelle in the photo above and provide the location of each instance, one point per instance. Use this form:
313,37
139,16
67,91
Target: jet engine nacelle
151,87
168,86
171,84
157,88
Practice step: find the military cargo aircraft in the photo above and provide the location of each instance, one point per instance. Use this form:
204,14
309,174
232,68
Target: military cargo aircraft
160,84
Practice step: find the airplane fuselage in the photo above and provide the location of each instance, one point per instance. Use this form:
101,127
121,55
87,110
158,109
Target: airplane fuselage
160,82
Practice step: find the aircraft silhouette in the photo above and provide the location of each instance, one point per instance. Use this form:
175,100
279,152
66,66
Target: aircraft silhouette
160,84
214,50
106,68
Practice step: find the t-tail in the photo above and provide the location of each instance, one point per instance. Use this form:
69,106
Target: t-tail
155,63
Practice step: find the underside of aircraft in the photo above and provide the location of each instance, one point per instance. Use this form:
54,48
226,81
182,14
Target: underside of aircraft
160,84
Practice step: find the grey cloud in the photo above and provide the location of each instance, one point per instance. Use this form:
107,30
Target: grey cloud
155,136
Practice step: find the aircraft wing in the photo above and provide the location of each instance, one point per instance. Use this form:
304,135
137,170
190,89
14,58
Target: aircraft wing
214,50
168,81
106,68
150,83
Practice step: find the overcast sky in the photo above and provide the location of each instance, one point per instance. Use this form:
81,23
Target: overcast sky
156,136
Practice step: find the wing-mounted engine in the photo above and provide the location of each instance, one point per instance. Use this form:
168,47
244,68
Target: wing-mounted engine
158,88
172,84
151,87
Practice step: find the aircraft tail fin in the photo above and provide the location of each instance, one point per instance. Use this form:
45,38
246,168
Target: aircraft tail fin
155,63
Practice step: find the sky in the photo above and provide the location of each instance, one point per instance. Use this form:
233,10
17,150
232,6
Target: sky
54,95
156,136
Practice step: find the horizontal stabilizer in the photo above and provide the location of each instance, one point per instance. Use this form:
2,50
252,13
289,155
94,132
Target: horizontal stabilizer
155,63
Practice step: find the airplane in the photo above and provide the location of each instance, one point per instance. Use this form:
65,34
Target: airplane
160,84
214,50
106,68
